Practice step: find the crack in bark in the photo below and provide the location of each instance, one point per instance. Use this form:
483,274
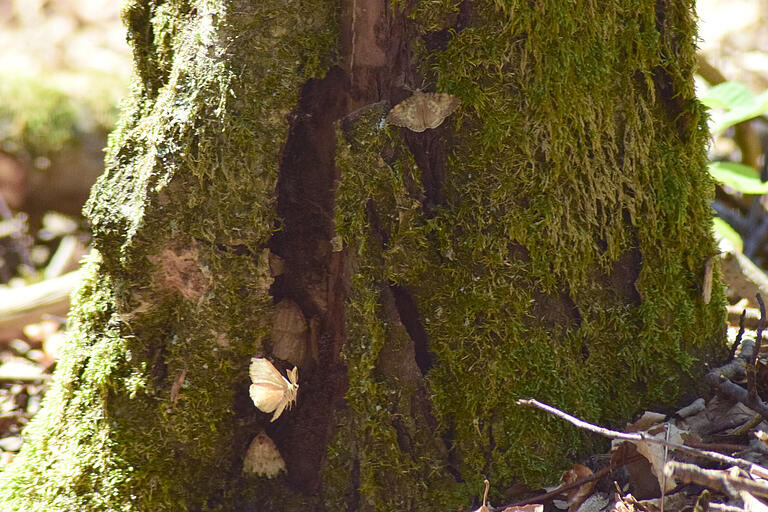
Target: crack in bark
313,273
409,317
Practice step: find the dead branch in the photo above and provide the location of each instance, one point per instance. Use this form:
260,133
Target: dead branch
643,437
718,480
742,276
721,507
720,378
28,304
751,316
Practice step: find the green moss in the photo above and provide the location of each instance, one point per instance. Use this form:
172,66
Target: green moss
181,284
563,162
38,117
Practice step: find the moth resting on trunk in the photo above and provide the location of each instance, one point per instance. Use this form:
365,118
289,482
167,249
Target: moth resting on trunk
423,110
271,391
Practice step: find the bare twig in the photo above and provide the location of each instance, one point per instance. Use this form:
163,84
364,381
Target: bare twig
738,393
721,507
25,378
736,368
740,334
731,214
714,479
643,437
541,498
751,318
760,326
664,475
742,276
756,236
752,395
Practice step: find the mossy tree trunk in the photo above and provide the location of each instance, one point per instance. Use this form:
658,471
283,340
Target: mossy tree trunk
547,240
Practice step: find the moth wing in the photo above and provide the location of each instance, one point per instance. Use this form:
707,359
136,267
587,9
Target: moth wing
279,409
270,390
438,106
266,396
261,370
403,113
424,117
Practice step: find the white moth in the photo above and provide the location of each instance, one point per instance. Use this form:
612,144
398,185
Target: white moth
271,391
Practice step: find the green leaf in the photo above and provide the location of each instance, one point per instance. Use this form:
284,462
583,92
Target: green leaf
724,231
740,178
739,103
728,95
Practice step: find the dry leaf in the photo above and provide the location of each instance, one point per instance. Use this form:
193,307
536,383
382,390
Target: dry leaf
289,332
271,391
644,482
654,453
533,507
594,503
263,458
646,421
423,110
577,495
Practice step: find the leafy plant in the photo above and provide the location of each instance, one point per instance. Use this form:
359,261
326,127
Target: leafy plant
737,104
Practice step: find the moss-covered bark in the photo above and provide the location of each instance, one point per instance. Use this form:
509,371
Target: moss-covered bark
548,240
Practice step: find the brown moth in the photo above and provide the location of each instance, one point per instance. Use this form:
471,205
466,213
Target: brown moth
289,332
423,110
263,458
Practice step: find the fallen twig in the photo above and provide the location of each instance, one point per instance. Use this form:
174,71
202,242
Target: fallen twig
547,496
643,437
722,507
739,335
715,479
25,305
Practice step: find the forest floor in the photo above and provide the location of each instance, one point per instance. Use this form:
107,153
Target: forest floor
70,45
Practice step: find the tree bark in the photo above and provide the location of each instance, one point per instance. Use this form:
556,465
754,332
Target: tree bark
549,239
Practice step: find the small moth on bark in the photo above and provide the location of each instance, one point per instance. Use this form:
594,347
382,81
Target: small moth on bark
263,458
423,110
289,332
271,391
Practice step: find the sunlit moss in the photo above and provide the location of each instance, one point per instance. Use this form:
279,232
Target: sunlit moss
564,159
566,156
193,163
